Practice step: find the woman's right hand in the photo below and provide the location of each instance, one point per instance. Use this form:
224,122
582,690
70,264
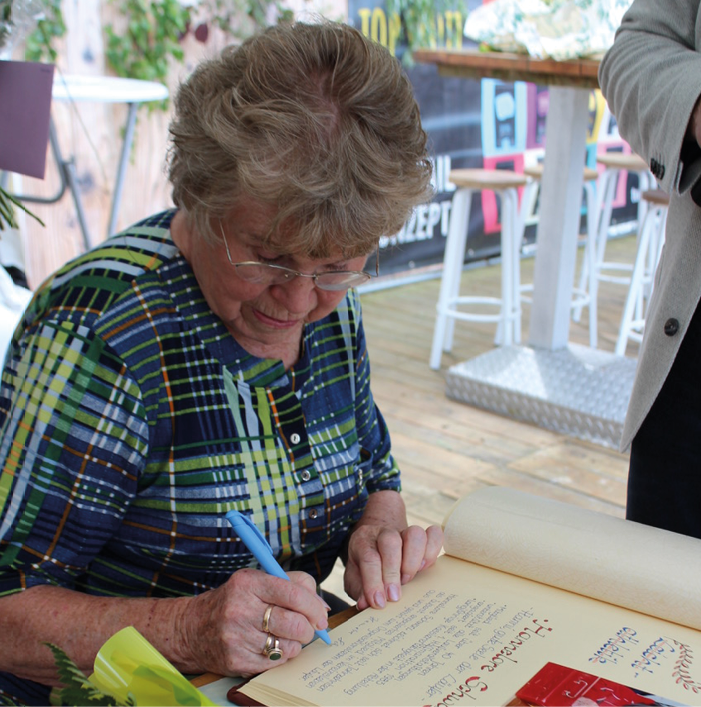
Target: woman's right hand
222,629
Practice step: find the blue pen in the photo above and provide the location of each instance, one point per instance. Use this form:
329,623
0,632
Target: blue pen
255,541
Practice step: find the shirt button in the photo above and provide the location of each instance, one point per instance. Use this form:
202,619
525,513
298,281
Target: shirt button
306,475
671,327
313,513
295,438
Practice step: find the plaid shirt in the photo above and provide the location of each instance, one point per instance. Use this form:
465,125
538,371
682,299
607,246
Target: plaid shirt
131,421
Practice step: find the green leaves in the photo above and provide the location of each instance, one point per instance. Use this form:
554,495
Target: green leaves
150,41
7,210
78,689
39,44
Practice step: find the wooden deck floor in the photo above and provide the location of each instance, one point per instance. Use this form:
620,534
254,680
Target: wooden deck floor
446,448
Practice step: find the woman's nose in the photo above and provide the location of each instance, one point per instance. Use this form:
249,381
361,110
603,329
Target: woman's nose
298,295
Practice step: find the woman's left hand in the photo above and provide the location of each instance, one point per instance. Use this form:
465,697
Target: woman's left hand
384,553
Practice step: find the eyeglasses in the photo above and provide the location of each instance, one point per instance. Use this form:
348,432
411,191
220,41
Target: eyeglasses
269,274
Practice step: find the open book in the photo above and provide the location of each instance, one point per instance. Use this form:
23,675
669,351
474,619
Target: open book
535,602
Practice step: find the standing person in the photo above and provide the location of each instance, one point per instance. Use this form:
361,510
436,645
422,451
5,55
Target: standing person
651,78
212,358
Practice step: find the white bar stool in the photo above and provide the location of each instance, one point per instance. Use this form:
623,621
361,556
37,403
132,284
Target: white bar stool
508,318
581,296
647,256
614,163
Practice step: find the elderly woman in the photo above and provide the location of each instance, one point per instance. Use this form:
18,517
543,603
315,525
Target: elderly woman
212,358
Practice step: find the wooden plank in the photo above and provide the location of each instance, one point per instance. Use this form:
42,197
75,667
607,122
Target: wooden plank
470,63
436,461
454,434
540,487
565,466
427,402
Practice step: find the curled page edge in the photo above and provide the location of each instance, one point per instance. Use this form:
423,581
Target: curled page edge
638,567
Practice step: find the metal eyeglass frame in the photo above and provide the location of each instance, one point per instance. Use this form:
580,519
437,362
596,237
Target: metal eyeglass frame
357,277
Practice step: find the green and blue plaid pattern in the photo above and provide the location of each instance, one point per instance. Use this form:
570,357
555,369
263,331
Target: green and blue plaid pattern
131,421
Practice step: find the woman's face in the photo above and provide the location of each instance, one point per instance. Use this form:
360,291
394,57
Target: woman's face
267,320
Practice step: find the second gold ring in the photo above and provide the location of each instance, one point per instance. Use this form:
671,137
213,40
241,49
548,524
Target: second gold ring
266,618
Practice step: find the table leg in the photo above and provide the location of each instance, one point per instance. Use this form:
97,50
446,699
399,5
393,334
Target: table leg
68,179
122,167
558,227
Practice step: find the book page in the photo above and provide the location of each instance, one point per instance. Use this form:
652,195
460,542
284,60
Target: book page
629,564
464,634
478,631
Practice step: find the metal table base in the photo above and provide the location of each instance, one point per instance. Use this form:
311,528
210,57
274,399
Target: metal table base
577,391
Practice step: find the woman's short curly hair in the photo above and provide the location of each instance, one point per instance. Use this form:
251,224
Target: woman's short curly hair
313,119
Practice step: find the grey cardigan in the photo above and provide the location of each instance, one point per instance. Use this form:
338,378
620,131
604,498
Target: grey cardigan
651,78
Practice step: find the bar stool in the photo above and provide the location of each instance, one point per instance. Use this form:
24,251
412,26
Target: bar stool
505,183
581,296
614,163
647,256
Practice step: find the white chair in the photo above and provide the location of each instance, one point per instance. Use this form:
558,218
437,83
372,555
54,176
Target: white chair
508,315
581,295
647,256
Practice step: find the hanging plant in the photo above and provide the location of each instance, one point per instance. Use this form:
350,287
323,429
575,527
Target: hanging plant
40,44
150,41
241,18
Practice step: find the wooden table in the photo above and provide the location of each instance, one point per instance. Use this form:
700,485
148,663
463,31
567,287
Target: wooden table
561,188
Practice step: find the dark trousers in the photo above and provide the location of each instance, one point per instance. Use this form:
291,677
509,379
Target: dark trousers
664,481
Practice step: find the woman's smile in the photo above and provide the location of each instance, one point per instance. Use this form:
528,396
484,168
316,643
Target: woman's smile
267,320
274,321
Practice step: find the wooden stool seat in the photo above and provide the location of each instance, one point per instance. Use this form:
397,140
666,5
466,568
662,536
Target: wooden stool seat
619,160
535,171
486,179
656,196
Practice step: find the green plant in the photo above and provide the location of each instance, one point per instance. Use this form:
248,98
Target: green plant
5,21
428,23
240,18
78,689
7,211
40,44
150,41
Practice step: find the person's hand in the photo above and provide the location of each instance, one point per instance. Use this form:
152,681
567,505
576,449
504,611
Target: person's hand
223,629
384,554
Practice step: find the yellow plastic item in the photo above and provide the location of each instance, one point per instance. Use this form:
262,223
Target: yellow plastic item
128,665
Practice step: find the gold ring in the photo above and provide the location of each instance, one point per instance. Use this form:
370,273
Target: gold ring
272,648
266,618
